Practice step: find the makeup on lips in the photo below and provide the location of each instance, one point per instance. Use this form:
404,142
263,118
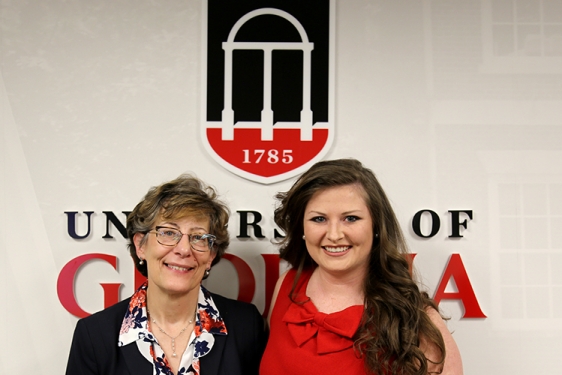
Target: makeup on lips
336,250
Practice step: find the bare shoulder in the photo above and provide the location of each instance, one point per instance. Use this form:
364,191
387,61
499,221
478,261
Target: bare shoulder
453,361
275,293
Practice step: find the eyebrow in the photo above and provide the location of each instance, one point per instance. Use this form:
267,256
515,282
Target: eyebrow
314,212
168,224
356,211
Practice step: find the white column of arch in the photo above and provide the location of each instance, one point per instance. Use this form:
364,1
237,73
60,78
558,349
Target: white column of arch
306,112
227,112
266,120
267,111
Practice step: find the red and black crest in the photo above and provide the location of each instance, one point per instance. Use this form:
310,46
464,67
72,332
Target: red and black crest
268,86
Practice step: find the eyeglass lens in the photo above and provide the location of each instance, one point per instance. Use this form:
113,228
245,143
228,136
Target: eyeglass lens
170,237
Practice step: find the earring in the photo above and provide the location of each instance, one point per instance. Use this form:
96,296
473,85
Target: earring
303,237
207,272
141,262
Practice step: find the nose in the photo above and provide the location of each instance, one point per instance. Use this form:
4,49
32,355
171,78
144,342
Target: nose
334,232
183,247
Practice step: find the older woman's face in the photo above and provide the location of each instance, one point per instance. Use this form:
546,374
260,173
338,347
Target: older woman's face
338,230
175,269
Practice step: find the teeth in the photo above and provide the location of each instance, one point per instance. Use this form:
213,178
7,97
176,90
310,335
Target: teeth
178,268
340,249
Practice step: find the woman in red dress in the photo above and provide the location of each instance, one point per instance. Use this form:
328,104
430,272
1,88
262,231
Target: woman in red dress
349,304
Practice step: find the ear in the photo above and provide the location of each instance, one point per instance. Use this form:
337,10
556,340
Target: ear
212,256
137,239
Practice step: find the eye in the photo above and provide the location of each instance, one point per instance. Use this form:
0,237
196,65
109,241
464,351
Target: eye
352,218
197,237
168,232
318,219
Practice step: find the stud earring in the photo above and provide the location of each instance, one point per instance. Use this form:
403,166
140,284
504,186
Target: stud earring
303,237
207,272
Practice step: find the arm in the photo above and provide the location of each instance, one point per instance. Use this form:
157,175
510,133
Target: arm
453,361
257,347
81,359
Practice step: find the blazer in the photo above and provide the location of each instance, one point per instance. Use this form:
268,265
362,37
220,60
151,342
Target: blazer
94,349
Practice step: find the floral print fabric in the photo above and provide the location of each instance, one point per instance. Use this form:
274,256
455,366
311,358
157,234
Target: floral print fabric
135,330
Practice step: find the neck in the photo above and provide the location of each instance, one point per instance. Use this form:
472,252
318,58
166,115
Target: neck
348,285
170,308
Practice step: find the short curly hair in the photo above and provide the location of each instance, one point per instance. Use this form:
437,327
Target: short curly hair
185,196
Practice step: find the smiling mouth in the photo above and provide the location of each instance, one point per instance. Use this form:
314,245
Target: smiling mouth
178,268
336,250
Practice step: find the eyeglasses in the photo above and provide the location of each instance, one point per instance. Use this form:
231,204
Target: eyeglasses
171,237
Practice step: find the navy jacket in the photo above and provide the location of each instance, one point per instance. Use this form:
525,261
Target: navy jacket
94,349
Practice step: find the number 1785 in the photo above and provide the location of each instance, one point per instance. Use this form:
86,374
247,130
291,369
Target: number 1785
272,156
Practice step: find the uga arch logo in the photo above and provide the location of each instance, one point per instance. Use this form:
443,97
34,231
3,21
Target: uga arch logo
268,85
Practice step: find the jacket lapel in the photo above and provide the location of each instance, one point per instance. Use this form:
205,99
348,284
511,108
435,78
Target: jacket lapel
136,363
211,362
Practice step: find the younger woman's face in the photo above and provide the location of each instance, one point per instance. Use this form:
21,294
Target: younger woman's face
338,230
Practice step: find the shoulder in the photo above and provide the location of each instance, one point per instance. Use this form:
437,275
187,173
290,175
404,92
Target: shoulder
230,308
244,323
283,283
118,310
244,342
95,337
288,275
287,279
278,285
453,361
108,320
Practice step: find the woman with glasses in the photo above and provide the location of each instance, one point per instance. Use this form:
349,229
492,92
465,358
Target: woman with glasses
172,324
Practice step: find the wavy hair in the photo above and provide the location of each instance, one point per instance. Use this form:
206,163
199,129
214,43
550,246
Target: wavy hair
185,196
395,319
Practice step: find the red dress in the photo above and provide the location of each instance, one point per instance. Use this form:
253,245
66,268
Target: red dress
303,340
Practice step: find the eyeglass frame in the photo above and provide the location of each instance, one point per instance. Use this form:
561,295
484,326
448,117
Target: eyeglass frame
211,238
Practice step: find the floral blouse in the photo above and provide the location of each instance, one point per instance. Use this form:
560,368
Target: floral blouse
135,330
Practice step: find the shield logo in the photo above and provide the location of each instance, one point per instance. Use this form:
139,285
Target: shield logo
268,86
